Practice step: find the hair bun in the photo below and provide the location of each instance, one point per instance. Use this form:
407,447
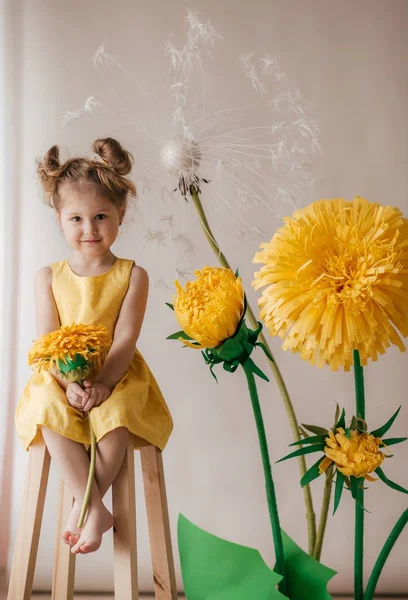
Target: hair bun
49,168
114,155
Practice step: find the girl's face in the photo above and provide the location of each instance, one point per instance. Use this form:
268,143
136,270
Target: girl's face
90,222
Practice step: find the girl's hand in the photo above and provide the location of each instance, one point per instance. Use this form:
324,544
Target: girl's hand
76,396
98,393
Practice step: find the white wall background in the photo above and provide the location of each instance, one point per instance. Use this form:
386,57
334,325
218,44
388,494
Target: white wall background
350,58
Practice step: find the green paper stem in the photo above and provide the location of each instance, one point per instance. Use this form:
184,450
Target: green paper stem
359,500
91,474
382,557
325,511
270,487
310,515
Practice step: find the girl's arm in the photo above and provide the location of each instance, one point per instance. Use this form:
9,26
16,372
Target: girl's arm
47,317
127,329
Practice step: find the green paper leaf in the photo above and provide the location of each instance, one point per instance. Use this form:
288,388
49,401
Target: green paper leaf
314,439
303,432
236,273
316,429
177,335
256,370
340,480
170,305
390,483
312,473
342,421
337,413
381,430
302,451
216,569
306,577
392,441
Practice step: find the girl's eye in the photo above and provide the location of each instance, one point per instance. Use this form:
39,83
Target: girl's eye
74,219
100,215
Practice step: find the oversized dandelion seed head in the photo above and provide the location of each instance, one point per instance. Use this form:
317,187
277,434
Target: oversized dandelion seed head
336,277
181,158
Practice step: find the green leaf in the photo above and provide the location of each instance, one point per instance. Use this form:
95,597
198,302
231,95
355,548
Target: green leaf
236,273
302,451
338,490
314,439
306,577
392,441
216,569
337,413
312,473
170,305
256,370
381,430
342,421
304,432
316,429
177,335
390,483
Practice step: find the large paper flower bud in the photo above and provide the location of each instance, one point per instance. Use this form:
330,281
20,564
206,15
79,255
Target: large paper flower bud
210,307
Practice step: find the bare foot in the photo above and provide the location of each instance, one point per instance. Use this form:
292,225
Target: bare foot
98,521
71,534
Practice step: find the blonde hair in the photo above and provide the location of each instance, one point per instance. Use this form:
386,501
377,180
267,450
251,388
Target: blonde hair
107,174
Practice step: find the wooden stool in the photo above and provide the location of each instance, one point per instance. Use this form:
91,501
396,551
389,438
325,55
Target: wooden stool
124,537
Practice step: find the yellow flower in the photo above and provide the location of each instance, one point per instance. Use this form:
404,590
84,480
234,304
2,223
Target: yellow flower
210,307
356,456
91,342
337,281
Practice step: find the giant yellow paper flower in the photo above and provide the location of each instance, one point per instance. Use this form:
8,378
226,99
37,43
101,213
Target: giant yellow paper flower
356,456
91,342
210,307
337,281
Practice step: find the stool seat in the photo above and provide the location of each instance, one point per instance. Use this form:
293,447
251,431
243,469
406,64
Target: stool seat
124,535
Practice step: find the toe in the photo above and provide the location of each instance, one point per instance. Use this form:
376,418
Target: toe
66,535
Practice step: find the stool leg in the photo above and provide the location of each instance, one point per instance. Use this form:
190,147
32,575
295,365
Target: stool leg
124,536
64,561
158,522
29,525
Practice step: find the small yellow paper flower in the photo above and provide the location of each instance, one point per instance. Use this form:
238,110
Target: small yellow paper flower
210,307
337,281
356,456
91,342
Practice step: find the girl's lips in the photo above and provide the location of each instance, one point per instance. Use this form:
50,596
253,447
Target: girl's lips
91,241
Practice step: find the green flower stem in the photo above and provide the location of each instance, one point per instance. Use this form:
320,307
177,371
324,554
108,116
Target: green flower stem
270,487
325,510
359,509
382,557
310,515
90,475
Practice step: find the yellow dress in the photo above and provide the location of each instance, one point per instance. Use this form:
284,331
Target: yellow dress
136,401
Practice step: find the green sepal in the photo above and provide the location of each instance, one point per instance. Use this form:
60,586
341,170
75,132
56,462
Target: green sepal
255,369
381,430
358,424
316,429
303,432
180,334
341,422
392,441
313,439
312,473
355,485
169,305
340,480
302,451
236,273
265,349
390,483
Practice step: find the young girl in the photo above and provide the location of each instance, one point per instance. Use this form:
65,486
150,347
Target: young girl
89,197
